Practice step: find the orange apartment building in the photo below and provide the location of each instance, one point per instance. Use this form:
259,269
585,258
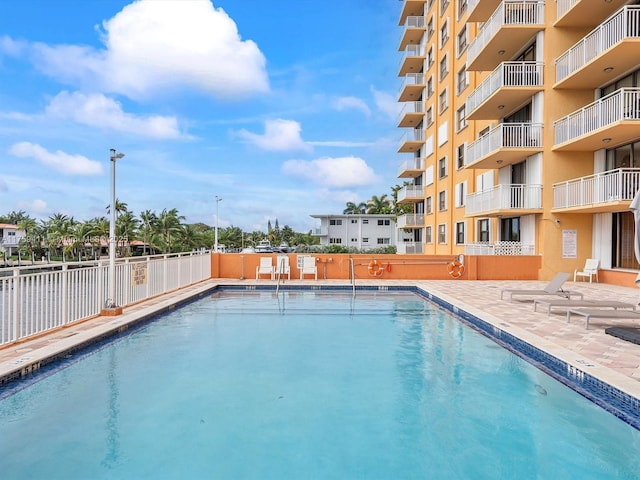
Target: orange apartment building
522,129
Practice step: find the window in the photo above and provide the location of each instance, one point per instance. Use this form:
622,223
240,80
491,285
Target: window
384,241
335,240
442,167
444,67
382,222
461,117
460,156
483,230
462,7
365,221
462,41
460,193
354,240
442,201
429,116
444,33
460,233
430,58
429,87
427,235
428,205
443,5
462,80
443,101
333,221
622,242
442,233
430,29
354,220
365,239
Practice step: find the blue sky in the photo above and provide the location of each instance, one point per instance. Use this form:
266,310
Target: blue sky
282,108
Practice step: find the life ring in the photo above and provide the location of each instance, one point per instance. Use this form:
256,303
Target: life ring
455,269
375,268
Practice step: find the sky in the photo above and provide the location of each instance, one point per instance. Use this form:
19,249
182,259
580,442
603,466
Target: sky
282,109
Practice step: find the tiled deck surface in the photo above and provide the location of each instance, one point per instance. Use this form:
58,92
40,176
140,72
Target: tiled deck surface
614,361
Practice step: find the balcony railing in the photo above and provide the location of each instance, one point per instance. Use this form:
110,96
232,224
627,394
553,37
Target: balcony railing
412,135
409,247
505,135
590,191
499,248
412,164
508,74
622,25
411,79
411,107
320,231
410,191
410,220
623,104
505,197
509,13
412,51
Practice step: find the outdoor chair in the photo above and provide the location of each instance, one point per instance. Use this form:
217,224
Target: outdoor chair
554,287
590,270
308,267
265,268
282,267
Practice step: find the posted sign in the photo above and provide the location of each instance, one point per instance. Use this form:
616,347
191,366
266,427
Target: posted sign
139,274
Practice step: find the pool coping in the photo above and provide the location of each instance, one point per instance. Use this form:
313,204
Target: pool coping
611,390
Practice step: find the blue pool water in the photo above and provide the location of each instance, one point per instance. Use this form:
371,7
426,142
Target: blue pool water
307,386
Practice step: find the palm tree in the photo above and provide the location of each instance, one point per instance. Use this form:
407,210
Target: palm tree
126,227
379,205
168,228
148,220
353,208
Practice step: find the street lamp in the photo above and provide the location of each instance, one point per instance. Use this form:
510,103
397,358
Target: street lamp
218,200
111,301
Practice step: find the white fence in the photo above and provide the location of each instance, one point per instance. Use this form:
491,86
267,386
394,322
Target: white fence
610,186
504,135
499,248
504,197
33,301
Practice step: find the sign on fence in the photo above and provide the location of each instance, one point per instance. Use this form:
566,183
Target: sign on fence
138,274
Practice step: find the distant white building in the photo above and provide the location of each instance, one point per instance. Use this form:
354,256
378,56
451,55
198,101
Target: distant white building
361,231
10,236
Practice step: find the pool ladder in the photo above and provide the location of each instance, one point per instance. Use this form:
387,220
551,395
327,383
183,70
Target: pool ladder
281,266
352,273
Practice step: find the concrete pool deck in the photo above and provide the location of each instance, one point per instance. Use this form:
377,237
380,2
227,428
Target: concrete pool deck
610,359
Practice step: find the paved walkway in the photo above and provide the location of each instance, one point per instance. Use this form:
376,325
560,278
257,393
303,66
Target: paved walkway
614,361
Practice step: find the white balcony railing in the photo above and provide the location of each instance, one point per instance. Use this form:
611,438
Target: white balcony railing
510,12
415,163
563,6
411,107
409,247
610,186
625,23
412,51
412,135
411,79
410,220
508,74
504,135
410,191
504,197
320,231
623,104
499,248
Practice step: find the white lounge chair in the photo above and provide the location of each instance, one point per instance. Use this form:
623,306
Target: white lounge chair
308,267
265,268
282,267
554,287
590,270
588,313
566,304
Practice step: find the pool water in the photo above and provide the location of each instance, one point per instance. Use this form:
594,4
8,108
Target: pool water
307,385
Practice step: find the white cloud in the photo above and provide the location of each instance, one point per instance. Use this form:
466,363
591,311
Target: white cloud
279,135
386,103
158,46
3,186
341,143
346,103
100,111
34,207
339,172
59,161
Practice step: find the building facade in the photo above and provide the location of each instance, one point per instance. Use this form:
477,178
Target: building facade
522,128
360,231
10,236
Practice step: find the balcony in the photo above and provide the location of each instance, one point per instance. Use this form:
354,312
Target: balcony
409,247
413,31
584,13
608,51
411,141
411,168
411,8
413,220
512,200
412,61
410,194
610,191
499,248
511,26
505,144
320,232
507,88
607,122
412,87
481,10
411,114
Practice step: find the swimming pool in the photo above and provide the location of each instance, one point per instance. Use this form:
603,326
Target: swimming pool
308,384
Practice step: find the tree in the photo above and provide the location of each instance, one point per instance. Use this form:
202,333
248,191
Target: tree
379,205
168,228
353,208
148,219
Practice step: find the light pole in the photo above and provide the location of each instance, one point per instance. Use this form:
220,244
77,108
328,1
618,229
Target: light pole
218,200
111,301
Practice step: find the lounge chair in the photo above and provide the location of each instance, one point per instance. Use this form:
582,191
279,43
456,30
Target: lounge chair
308,267
590,270
588,313
567,304
265,268
282,267
554,287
